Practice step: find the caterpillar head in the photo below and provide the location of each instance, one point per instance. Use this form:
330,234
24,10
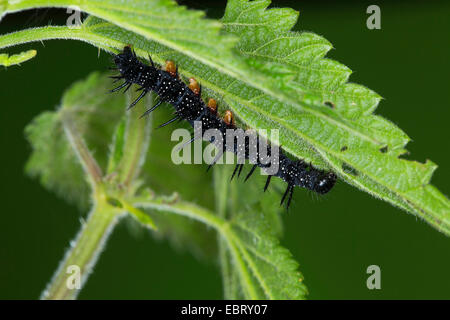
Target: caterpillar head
325,183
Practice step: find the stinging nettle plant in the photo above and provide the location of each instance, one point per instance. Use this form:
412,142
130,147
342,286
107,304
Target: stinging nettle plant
271,77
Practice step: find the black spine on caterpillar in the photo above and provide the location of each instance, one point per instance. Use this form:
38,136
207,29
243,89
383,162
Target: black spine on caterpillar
189,106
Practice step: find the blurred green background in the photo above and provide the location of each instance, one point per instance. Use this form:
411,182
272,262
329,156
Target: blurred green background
334,238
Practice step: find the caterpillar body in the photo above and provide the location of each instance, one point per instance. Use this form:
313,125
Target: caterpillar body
188,104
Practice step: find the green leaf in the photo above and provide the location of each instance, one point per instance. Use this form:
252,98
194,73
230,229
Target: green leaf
262,268
93,114
176,29
253,263
365,142
185,234
143,218
96,117
61,174
118,143
284,93
6,60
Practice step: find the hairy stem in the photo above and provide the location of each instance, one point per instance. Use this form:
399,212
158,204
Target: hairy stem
83,253
57,32
221,186
88,162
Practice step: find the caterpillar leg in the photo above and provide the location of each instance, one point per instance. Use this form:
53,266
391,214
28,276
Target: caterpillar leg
267,183
186,143
121,86
168,122
137,100
219,154
290,190
240,169
116,78
151,109
290,197
126,89
251,172
238,166
150,59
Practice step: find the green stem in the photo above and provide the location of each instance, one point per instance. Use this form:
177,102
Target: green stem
83,254
181,208
210,219
228,247
80,259
57,32
88,162
221,187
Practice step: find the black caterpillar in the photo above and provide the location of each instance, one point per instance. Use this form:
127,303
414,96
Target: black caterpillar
189,106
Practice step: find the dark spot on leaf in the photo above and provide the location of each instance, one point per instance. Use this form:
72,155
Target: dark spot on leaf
384,149
349,169
330,104
344,148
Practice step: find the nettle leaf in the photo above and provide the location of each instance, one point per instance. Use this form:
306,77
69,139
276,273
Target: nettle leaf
265,35
375,167
266,270
170,25
253,263
237,197
185,33
61,174
185,234
257,266
264,92
97,116
93,114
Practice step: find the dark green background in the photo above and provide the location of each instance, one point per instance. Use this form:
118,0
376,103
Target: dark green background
334,238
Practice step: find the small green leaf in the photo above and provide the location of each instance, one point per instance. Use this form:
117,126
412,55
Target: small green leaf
139,215
6,60
117,147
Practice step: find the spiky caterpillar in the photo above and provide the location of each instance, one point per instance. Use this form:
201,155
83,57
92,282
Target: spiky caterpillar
188,104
